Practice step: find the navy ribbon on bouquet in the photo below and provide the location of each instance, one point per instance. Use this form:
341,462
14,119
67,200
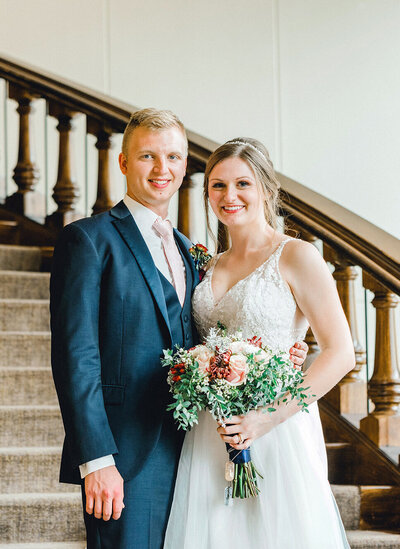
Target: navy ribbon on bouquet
238,456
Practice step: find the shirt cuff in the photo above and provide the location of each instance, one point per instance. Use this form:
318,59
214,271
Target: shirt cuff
95,465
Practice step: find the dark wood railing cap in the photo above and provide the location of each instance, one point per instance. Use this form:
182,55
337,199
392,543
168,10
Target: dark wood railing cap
377,251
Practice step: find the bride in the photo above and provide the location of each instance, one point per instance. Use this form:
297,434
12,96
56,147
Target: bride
273,286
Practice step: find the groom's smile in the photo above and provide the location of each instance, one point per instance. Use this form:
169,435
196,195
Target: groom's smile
154,166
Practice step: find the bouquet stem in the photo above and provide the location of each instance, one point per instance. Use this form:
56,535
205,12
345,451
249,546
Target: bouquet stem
245,480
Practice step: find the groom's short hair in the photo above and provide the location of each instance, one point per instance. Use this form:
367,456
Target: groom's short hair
152,119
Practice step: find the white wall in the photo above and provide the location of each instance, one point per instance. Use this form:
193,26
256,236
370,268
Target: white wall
317,81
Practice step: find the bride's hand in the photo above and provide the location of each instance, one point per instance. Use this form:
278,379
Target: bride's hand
241,431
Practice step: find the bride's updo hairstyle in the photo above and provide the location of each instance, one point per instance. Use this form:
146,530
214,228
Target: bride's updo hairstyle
256,156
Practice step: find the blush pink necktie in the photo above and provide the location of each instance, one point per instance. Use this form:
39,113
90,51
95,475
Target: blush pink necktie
172,255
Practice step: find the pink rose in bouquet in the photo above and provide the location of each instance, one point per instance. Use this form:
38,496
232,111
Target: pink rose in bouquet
238,370
202,355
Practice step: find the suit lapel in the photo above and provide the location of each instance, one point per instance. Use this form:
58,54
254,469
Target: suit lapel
189,261
129,231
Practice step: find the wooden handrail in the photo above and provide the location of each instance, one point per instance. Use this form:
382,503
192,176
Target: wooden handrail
369,246
377,251
88,101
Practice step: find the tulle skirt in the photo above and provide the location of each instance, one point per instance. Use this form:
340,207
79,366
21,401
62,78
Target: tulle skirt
295,509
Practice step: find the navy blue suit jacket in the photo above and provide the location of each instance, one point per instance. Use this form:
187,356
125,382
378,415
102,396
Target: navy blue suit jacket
109,325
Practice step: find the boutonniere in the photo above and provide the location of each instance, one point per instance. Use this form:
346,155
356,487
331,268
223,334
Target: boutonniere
200,257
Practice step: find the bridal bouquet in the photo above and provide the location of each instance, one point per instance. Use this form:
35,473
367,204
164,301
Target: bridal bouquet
230,376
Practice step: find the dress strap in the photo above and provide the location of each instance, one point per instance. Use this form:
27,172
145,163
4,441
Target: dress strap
278,251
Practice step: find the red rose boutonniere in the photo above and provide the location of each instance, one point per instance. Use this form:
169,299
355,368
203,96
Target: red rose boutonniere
201,257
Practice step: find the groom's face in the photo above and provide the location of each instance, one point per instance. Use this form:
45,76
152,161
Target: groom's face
154,166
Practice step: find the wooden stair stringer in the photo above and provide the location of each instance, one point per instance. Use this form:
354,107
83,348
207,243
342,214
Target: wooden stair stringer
31,233
370,465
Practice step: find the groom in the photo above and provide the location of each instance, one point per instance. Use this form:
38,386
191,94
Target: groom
121,288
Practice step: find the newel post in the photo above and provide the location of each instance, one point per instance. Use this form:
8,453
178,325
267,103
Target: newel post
350,394
26,172
382,425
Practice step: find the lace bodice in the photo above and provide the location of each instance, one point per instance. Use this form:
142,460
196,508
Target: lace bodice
260,304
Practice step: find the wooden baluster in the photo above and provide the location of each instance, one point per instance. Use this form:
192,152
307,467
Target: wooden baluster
293,229
186,200
103,133
26,172
65,192
350,394
382,425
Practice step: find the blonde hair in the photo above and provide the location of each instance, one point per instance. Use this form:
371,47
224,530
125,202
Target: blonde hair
256,156
152,119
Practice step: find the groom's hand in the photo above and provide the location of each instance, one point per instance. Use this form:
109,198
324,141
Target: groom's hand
298,353
105,493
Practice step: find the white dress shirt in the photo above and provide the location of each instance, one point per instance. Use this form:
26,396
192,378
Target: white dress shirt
144,218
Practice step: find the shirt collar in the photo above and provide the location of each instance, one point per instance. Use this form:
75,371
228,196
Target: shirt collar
143,216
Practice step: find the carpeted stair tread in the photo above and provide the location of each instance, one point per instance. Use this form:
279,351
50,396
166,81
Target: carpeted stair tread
44,517
348,500
19,386
370,539
31,450
51,545
24,315
24,285
31,469
20,258
36,425
24,348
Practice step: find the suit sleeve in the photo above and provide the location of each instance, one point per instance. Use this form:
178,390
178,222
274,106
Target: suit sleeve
74,307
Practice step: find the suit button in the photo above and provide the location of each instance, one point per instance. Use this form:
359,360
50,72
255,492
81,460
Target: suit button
186,318
187,336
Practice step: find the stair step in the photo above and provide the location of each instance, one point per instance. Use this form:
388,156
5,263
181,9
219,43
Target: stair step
30,426
43,517
59,545
20,258
19,386
24,349
24,285
368,539
8,232
380,507
24,315
25,470
348,499
340,462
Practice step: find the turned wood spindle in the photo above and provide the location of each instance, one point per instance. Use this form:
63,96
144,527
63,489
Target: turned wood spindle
186,204
350,395
103,145
26,172
65,192
382,425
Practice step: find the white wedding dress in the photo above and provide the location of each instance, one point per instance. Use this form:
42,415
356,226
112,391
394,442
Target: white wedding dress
296,508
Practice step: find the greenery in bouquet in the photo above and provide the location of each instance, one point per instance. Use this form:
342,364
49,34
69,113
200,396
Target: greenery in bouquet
230,376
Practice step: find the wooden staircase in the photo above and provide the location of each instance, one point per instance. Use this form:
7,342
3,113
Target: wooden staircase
36,510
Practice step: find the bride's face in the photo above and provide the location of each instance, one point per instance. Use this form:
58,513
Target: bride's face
234,194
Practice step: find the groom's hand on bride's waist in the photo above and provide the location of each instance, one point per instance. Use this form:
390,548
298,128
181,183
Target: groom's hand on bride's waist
104,491
298,353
